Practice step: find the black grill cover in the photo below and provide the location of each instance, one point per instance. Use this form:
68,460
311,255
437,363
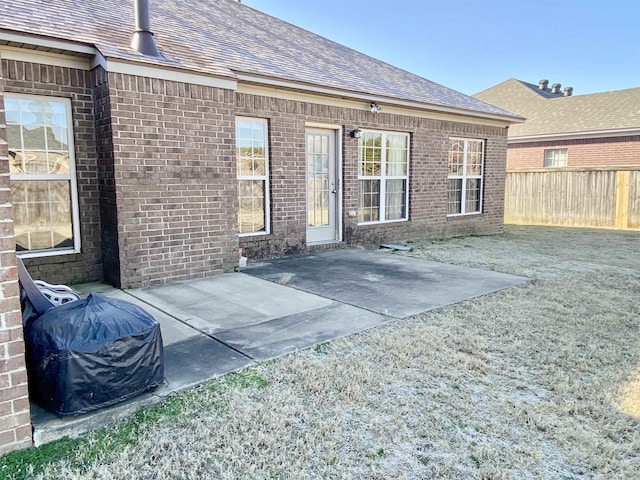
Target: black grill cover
92,353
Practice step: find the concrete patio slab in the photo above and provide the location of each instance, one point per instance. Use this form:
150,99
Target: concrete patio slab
220,324
227,301
381,281
281,336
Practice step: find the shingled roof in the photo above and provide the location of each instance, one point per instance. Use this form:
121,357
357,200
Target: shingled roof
228,39
546,115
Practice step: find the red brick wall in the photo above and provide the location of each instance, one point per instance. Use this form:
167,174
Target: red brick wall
428,175
157,186
104,152
173,167
15,420
588,152
35,79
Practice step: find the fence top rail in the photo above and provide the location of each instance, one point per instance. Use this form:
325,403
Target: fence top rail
608,168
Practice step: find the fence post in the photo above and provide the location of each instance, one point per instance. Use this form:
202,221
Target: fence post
622,199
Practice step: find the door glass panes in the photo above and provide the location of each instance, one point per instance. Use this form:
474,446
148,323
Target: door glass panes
318,181
40,164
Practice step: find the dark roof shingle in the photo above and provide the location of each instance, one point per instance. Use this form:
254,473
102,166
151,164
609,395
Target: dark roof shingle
595,112
225,37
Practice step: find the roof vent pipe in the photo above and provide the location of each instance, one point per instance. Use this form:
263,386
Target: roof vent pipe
555,88
568,91
542,84
142,41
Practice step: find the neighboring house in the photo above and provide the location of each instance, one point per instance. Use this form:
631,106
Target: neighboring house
566,130
156,160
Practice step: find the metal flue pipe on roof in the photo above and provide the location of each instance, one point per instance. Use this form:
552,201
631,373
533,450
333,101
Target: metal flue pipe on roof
143,41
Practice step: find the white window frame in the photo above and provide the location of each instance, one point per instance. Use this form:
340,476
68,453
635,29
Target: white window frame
265,177
553,154
464,177
71,177
383,177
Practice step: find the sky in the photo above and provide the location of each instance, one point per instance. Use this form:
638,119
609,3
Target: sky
470,45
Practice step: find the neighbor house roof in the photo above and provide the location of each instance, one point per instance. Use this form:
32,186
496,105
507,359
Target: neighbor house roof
228,39
548,115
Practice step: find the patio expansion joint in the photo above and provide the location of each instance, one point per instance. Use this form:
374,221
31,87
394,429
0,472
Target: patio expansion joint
335,300
186,323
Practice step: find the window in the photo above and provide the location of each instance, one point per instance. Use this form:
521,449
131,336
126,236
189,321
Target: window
42,172
383,173
252,160
464,184
556,157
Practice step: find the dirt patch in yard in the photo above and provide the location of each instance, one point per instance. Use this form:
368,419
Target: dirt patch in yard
538,381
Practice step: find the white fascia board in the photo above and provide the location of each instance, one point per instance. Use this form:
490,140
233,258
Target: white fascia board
618,132
385,101
162,73
44,58
47,43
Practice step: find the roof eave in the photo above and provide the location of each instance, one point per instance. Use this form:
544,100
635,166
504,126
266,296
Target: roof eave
368,97
54,45
46,44
617,132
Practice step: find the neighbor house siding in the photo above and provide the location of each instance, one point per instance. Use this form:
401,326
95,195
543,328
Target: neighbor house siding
429,143
175,180
46,80
15,420
586,152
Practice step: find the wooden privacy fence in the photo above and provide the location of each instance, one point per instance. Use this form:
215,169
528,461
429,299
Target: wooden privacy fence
597,197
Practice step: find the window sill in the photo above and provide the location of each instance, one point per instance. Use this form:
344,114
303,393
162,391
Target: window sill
46,253
462,215
383,222
256,234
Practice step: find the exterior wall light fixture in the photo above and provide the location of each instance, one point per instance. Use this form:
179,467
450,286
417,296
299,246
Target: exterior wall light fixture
355,133
375,108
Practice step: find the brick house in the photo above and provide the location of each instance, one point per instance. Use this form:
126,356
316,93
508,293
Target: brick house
138,158
563,130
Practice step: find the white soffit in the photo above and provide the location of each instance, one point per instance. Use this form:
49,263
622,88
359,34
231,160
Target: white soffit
171,74
334,98
44,58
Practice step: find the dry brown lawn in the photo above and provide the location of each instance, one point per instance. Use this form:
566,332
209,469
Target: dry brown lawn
538,381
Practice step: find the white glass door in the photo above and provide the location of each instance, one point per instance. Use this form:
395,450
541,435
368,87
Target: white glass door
322,187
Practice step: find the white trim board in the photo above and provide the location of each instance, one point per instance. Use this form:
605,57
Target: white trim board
44,58
284,87
344,102
167,73
618,132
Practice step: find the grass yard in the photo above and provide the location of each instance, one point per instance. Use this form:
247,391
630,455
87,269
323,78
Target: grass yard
538,381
